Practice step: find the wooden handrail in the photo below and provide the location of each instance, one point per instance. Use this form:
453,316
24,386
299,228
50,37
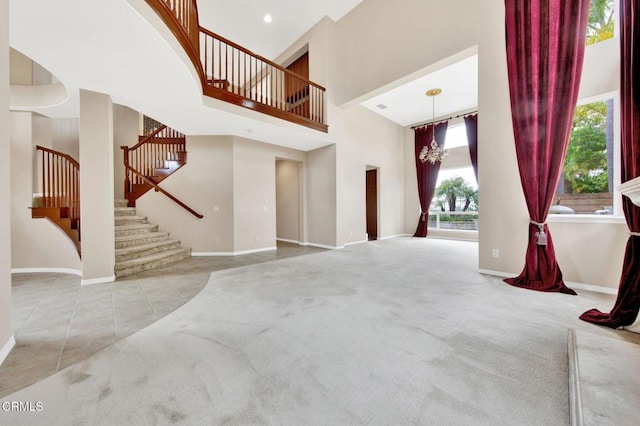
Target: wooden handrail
148,138
157,188
60,181
186,31
60,154
261,58
240,76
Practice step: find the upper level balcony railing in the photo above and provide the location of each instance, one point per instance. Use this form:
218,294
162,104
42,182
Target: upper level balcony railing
231,73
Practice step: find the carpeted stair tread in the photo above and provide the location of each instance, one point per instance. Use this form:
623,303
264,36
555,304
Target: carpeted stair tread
132,252
130,219
124,211
135,228
151,261
137,239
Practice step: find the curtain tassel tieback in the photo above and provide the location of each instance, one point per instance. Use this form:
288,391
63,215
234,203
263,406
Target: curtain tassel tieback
540,235
423,215
634,234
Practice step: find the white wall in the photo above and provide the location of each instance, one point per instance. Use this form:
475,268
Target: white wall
6,333
288,196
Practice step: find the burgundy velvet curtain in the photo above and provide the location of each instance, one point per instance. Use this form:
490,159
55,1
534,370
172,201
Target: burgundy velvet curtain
427,173
625,310
545,51
471,125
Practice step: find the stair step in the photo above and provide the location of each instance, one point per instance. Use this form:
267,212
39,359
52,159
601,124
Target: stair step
604,389
139,239
129,220
129,253
136,228
121,203
151,261
124,211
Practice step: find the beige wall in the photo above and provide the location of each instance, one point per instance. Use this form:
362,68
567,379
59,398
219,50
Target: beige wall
6,333
66,135
288,196
35,243
232,182
21,69
206,185
96,187
361,138
370,62
126,129
322,199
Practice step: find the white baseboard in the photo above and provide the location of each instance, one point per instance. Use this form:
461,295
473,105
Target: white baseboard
284,240
100,280
323,246
353,243
580,286
231,253
591,287
4,352
395,236
44,270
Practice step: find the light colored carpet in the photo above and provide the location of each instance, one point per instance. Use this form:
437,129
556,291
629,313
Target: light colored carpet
403,331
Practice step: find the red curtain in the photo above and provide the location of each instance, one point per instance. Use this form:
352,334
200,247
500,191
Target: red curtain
545,51
625,310
427,173
471,125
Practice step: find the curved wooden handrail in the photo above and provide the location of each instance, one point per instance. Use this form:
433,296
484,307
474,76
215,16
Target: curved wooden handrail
187,35
157,188
261,58
60,154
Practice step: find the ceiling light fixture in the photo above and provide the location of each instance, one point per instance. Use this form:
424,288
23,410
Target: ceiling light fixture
267,18
436,153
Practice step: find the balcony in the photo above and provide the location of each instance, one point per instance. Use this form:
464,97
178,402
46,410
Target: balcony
233,74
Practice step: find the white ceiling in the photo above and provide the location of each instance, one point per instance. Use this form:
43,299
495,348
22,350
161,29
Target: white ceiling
242,20
407,104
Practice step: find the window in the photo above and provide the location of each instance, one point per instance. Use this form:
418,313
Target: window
455,203
586,184
601,21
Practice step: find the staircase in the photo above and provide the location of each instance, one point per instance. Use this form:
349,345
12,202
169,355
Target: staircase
59,200
139,244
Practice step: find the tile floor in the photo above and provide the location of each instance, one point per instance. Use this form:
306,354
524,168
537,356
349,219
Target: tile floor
57,322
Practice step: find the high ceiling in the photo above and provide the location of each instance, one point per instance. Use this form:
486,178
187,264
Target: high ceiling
243,20
407,103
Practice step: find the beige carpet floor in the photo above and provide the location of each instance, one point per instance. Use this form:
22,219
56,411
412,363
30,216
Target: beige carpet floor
404,331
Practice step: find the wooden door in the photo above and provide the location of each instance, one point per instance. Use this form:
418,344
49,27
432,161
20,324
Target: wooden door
372,204
296,91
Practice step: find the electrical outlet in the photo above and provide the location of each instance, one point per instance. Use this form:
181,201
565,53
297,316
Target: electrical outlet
216,209
495,253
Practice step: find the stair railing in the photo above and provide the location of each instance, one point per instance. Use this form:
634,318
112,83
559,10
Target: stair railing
231,73
60,180
149,154
145,179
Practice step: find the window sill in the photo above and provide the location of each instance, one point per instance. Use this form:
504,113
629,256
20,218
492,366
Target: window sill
586,218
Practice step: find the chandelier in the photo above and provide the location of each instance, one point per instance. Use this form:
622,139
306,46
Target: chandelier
436,153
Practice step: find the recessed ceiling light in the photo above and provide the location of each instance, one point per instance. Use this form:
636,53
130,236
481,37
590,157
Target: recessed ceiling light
267,18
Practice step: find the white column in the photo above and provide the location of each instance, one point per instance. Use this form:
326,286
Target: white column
6,334
96,187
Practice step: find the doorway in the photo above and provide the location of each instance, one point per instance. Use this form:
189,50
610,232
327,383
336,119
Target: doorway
372,203
289,196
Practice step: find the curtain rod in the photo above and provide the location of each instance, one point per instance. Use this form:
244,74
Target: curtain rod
444,119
